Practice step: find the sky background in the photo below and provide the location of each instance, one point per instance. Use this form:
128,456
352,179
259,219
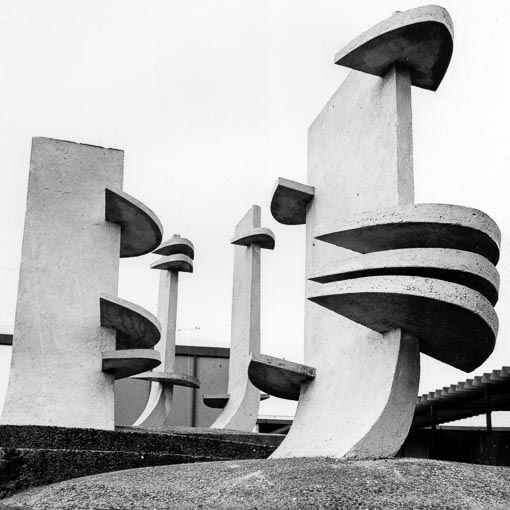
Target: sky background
211,102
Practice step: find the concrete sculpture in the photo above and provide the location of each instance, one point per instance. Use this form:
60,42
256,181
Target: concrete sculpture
73,337
241,403
425,280
178,254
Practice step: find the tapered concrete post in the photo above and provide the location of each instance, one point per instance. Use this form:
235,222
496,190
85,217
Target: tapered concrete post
367,317
242,402
178,257
72,335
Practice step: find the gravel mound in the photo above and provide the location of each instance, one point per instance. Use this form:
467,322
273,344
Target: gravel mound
281,484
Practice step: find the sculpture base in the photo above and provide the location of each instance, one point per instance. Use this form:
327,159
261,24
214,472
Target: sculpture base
284,483
35,455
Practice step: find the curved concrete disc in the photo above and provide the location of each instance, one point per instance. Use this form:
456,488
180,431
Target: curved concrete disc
175,246
454,324
174,378
216,401
260,236
290,200
136,327
129,362
416,226
181,263
279,377
141,230
462,267
421,39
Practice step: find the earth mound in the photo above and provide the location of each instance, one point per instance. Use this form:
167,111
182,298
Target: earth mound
282,484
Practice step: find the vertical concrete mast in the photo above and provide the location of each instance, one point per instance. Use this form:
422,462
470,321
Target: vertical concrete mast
241,405
178,257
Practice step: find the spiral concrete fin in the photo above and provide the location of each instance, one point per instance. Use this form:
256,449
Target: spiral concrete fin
141,230
421,39
290,200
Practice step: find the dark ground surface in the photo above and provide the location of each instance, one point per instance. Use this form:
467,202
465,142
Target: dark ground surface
35,455
411,484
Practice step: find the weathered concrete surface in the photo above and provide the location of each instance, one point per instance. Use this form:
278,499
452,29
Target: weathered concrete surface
141,230
454,324
216,401
170,378
178,256
359,159
278,377
261,236
40,455
242,407
290,200
462,267
176,245
135,326
178,262
421,39
297,484
127,362
415,226
69,251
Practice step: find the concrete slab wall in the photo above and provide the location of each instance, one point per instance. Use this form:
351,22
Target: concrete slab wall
70,256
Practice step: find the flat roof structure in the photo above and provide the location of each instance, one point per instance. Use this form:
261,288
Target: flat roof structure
473,397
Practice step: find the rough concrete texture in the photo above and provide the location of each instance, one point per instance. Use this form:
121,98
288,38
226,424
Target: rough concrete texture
128,362
136,327
359,158
415,226
141,230
179,253
290,200
420,38
279,377
31,456
242,407
462,267
399,484
454,324
69,250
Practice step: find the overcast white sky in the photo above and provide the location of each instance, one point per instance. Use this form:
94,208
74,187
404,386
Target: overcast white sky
211,102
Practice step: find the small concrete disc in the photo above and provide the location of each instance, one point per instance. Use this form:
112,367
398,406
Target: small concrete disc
129,362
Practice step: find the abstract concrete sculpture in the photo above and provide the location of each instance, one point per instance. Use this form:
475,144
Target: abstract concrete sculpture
73,337
178,254
425,280
241,403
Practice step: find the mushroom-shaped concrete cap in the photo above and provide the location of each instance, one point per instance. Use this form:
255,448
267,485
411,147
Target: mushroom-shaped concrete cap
176,246
216,401
453,323
279,377
129,362
261,236
175,379
141,230
181,263
290,200
420,39
463,267
136,327
416,226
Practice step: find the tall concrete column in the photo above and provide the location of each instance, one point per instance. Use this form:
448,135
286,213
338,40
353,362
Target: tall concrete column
178,257
242,402
68,325
386,278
